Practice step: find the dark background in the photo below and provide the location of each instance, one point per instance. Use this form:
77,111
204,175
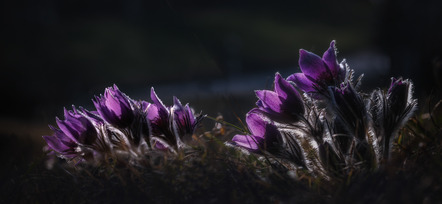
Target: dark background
210,53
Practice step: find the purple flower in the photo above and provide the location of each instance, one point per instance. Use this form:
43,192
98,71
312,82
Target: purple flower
318,73
115,107
184,121
170,124
75,130
285,102
263,134
158,113
61,144
160,118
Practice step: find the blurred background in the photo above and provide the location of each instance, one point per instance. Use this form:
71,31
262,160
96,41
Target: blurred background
212,54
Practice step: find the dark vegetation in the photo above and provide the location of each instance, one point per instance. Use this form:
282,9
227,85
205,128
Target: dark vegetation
215,173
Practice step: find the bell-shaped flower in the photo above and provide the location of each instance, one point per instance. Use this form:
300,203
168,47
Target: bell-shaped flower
115,107
158,114
318,73
263,134
282,103
160,119
61,144
184,120
75,130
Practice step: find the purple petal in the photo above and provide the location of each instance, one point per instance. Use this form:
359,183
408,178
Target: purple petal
284,88
190,114
247,141
269,99
67,130
311,64
63,138
124,100
152,112
330,60
157,101
103,110
302,82
144,105
106,110
162,110
93,115
55,144
159,145
112,103
177,102
256,124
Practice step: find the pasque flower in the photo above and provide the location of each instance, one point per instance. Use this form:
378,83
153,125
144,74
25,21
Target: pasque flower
263,134
184,120
170,124
282,103
318,73
75,130
159,116
390,111
115,107
350,109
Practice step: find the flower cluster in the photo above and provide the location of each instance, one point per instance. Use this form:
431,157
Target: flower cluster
332,129
344,129
121,127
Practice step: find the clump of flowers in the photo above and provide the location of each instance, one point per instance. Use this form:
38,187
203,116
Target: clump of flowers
329,131
121,128
333,129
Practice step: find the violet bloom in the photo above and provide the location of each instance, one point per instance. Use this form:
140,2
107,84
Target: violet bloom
75,130
263,134
184,121
318,73
115,107
158,113
283,103
159,116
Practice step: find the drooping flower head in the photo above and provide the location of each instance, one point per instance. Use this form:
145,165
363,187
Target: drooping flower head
75,130
263,134
318,73
115,107
283,103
